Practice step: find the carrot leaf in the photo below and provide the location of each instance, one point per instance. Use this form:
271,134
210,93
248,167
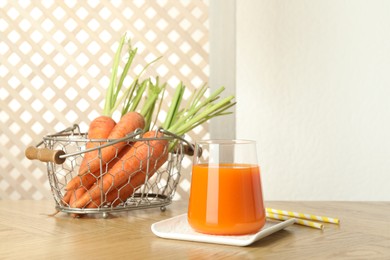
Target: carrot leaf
199,110
179,119
175,105
111,90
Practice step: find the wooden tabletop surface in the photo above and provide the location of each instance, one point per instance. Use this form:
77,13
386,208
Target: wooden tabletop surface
27,232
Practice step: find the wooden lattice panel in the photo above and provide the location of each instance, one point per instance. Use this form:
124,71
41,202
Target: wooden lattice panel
55,64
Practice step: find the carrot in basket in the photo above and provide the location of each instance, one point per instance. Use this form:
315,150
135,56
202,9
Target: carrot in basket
66,198
114,197
76,194
87,180
134,163
121,194
126,125
100,128
130,120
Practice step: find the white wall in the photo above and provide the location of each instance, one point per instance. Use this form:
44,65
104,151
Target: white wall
313,88
222,60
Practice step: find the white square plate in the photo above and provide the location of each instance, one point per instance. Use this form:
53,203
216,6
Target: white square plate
179,229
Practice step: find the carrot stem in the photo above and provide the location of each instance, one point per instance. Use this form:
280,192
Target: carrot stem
133,102
131,96
174,107
128,92
197,105
132,53
199,111
154,91
109,101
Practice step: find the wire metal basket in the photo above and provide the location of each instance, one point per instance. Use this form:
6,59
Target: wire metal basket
64,151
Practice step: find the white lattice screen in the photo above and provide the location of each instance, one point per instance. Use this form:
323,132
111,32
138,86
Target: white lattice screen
55,63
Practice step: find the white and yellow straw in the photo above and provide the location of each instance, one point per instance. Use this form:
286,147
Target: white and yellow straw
297,220
303,216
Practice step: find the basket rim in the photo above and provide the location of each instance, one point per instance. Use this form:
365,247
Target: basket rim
64,136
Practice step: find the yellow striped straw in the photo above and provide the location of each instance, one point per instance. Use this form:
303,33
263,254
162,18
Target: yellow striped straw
302,222
303,216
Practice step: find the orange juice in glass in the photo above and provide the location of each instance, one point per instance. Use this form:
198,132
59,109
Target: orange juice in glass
226,194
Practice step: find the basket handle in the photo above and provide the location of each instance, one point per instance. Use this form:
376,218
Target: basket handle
45,155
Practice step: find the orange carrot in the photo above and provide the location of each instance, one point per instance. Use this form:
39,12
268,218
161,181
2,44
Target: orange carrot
127,124
89,179
85,182
143,158
75,195
100,128
66,198
114,197
120,195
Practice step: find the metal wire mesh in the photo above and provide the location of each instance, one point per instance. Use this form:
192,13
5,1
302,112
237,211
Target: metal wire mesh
152,183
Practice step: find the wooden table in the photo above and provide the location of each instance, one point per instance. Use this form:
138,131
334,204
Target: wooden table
27,232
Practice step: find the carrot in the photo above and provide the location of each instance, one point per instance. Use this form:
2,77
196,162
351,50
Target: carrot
114,197
66,198
99,128
121,194
144,157
87,181
127,124
76,194
84,183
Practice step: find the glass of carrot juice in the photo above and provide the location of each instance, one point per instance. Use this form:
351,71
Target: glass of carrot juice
226,194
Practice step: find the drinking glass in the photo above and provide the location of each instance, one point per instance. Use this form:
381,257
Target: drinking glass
226,193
